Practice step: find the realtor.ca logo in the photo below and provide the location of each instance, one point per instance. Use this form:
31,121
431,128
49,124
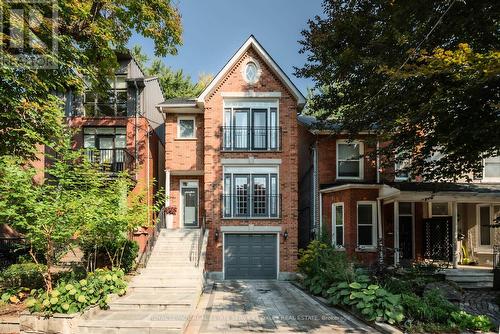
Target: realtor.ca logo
28,33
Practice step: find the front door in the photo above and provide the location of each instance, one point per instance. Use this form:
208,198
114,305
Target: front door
438,239
190,207
406,237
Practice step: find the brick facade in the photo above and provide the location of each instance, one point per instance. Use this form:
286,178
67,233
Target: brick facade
189,157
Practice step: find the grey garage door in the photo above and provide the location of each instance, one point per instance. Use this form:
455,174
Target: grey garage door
250,256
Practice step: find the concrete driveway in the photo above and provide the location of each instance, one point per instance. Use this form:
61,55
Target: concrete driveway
267,306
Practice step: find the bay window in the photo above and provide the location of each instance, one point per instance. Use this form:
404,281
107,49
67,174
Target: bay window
338,224
367,224
349,159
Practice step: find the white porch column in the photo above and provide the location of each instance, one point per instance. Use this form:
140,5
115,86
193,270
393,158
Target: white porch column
170,218
454,233
396,233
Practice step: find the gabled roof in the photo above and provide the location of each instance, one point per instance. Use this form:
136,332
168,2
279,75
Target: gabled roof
251,42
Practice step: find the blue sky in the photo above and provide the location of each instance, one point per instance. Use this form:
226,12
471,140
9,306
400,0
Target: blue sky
215,29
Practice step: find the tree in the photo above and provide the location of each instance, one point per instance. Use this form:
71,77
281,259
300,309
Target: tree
48,214
174,83
89,34
423,76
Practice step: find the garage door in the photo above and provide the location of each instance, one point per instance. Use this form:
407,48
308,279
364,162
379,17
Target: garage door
250,256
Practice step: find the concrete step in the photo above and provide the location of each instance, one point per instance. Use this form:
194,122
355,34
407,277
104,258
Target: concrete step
476,285
134,321
164,283
459,279
175,272
162,290
161,296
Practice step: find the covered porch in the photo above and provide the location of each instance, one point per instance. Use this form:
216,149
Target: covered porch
449,223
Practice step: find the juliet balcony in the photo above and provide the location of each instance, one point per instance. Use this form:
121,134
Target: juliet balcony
243,206
248,138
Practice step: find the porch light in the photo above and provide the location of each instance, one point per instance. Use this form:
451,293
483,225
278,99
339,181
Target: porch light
285,235
216,234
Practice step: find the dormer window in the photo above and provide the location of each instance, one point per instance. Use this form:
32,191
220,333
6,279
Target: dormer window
349,159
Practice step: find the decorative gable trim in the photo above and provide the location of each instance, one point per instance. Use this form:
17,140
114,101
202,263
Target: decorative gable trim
252,42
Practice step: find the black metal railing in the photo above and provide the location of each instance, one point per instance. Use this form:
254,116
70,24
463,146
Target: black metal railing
251,206
111,160
248,138
200,241
160,223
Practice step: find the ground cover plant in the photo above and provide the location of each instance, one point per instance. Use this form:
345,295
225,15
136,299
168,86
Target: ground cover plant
398,297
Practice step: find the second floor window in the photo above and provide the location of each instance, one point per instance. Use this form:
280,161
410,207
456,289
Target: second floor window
349,159
186,128
251,128
111,103
250,195
492,169
106,146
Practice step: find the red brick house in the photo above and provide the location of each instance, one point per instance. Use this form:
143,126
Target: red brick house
362,208
231,158
123,131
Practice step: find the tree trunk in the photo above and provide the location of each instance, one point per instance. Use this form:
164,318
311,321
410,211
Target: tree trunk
49,257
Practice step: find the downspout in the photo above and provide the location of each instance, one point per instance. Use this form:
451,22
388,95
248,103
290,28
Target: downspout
315,191
136,131
378,162
380,240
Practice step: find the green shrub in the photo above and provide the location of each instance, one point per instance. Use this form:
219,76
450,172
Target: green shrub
432,307
27,275
468,321
76,296
124,254
370,300
324,266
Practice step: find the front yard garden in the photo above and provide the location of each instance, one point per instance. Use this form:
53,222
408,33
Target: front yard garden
407,298
76,207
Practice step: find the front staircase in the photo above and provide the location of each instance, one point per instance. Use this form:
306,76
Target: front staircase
162,297
471,278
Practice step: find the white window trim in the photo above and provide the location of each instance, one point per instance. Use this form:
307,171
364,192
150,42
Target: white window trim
334,225
374,225
431,214
361,159
488,179
484,248
181,118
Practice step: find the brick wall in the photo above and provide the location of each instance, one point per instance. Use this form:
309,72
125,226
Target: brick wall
327,160
349,197
268,82
184,154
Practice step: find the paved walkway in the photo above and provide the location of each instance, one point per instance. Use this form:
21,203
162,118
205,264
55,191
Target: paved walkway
267,306
482,302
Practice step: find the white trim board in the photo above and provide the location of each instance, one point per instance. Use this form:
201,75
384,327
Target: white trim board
252,42
252,94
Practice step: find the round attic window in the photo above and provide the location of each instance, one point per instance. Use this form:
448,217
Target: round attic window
251,72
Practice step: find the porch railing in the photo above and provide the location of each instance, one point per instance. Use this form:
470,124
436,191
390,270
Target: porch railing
161,222
200,241
111,160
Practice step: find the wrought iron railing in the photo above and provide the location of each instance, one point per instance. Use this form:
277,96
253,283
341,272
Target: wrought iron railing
251,138
160,223
200,241
99,109
111,160
251,206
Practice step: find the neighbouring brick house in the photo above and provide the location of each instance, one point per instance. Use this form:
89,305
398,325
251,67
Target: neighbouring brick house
355,203
123,131
231,158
